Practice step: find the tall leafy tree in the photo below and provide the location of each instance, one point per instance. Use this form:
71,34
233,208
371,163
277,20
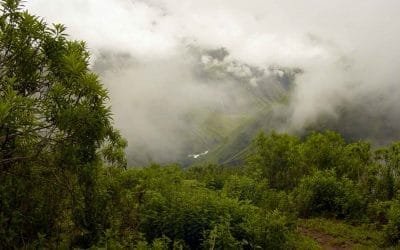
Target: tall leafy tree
277,157
55,124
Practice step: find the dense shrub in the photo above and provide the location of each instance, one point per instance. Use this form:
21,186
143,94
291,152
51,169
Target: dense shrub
278,159
377,212
268,230
213,176
160,203
324,194
245,188
392,229
324,151
220,237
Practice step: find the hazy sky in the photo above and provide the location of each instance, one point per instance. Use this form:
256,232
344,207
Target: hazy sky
349,50
257,31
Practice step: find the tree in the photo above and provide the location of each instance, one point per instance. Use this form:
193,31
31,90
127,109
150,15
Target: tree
389,170
277,157
54,119
324,151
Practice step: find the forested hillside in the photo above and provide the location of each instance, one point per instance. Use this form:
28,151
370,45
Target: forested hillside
65,183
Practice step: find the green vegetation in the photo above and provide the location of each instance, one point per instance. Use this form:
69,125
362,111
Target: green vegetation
64,182
337,233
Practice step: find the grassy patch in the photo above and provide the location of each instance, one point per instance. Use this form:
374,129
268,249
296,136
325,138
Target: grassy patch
304,242
338,233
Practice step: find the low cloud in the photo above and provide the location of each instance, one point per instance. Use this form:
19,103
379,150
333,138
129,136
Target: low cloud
167,62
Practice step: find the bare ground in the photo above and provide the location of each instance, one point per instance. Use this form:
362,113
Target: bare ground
324,240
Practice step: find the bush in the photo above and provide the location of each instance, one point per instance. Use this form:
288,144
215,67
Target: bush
324,194
392,229
189,213
268,230
220,237
377,212
212,175
245,188
324,151
277,157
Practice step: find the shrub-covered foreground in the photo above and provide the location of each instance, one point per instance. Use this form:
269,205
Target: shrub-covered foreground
220,207
63,182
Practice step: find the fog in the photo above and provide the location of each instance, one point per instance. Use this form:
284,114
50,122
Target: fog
164,66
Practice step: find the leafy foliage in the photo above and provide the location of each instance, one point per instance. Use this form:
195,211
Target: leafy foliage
322,193
53,123
392,229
